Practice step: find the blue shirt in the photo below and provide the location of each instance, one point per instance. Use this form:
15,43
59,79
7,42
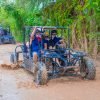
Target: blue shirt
35,45
45,41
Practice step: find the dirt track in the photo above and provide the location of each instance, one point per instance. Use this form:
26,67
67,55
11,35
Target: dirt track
18,84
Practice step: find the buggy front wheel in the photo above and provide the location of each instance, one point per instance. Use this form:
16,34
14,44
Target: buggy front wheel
41,76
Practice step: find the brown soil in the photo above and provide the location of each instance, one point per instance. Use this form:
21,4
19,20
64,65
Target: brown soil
18,84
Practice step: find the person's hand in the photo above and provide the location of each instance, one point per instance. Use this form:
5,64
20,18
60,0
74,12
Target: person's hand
33,33
42,51
34,28
61,41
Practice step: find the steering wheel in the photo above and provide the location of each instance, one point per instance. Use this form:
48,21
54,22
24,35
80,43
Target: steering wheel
59,45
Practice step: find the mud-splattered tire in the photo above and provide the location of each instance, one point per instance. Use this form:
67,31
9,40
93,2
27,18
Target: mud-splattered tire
87,69
91,70
41,74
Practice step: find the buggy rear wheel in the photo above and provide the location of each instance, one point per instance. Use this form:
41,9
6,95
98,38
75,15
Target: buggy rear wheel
40,75
87,69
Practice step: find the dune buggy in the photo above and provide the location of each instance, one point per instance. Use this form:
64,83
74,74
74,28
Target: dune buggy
6,36
47,67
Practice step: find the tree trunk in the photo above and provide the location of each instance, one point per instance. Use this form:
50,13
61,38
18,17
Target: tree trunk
74,39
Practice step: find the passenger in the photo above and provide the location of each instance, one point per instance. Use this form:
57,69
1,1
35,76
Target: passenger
46,40
54,39
35,42
5,32
35,39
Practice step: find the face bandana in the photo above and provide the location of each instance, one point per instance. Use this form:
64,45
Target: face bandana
38,36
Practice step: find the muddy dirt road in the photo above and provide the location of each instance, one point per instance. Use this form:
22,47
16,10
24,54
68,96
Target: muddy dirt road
18,84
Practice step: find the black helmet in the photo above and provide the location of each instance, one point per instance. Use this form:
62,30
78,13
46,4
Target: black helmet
53,31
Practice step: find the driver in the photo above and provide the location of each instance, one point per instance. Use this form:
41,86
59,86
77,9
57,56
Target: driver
54,40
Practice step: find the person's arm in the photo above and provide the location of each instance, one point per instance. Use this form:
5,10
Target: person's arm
62,43
32,35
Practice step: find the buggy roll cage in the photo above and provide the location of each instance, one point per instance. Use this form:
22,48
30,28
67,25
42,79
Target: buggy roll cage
44,28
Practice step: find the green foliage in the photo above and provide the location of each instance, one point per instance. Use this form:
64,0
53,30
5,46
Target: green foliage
84,15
